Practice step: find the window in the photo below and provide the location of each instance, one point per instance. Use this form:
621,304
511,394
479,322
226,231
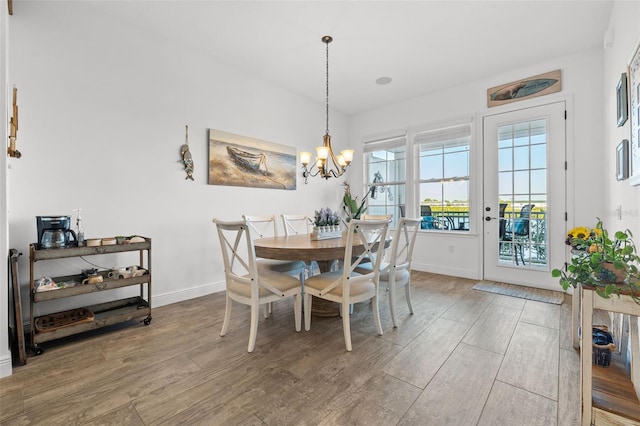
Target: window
443,176
436,172
386,171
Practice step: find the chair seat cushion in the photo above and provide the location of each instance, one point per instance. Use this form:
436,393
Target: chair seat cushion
283,266
402,275
358,288
277,280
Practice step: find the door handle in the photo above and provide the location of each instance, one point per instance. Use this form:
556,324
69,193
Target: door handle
488,218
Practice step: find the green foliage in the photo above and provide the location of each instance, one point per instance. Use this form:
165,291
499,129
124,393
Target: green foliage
608,264
350,205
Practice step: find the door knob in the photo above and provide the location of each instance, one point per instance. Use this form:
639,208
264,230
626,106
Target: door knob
488,219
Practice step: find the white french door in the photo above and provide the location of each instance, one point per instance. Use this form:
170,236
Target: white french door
524,195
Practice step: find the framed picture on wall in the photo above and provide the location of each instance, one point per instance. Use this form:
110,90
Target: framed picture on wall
634,115
621,99
622,160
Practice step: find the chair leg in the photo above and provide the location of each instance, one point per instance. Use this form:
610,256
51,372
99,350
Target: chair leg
227,317
255,313
307,311
407,292
376,314
392,302
297,310
346,325
350,309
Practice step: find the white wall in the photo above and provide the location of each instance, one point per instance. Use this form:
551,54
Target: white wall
103,110
619,196
581,87
5,354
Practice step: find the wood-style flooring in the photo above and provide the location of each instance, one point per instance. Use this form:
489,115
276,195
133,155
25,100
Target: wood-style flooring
465,357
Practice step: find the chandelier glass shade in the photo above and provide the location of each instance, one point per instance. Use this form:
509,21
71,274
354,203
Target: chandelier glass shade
326,163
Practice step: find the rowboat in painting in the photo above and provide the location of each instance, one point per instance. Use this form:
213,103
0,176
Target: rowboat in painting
522,89
248,160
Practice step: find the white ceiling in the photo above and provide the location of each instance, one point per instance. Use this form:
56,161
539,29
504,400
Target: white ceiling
423,45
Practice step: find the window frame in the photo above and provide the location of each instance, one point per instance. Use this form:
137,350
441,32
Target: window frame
385,143
412,181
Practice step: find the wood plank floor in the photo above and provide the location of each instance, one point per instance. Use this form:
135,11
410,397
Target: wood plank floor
464,358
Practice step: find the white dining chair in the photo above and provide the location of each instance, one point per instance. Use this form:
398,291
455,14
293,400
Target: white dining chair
296,224
395,269
266,226
249,285
375,217
345,286
300,224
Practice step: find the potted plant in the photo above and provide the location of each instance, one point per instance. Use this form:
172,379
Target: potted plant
607,262
350,205
326,218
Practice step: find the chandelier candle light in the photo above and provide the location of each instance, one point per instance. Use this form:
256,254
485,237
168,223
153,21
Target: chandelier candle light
324,153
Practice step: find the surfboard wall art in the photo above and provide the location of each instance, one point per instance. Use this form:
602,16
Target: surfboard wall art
527,88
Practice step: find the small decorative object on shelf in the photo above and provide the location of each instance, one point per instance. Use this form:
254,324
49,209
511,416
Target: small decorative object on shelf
608,262
326,224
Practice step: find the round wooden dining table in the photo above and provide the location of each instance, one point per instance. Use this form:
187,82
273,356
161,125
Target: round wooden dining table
301,247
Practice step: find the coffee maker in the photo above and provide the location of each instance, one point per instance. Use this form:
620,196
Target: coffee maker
55,232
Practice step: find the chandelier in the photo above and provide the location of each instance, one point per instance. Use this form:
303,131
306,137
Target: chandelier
326,164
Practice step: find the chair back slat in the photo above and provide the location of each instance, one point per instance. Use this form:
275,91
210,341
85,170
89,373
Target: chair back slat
403,242
262,226
375,216
238,252
372,234
296,224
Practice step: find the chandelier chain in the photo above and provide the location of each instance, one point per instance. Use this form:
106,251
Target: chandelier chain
327,88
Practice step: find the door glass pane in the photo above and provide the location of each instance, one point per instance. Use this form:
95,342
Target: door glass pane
505,156
522,189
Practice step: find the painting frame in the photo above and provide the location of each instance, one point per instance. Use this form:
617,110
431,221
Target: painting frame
237,160
622,160
526,88
621,100
633,76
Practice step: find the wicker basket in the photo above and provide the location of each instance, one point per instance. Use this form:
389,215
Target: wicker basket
59,320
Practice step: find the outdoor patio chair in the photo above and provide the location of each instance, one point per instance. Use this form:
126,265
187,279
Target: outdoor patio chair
518,233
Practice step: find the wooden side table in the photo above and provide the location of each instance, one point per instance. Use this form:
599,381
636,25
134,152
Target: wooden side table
608,395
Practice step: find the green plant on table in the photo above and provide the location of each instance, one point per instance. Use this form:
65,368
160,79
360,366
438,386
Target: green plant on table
350,205
607,262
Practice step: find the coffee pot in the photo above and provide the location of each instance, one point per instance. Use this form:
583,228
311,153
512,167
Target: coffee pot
55,232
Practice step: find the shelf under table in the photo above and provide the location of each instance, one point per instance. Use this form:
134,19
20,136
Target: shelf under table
108,313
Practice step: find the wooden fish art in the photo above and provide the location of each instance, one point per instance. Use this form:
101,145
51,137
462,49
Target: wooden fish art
186,156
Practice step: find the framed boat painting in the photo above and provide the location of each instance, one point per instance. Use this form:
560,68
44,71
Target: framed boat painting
634,115
236,160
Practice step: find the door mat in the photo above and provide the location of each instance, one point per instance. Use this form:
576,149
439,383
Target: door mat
529,293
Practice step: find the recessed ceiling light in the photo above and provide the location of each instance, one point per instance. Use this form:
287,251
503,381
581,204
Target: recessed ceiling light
383,80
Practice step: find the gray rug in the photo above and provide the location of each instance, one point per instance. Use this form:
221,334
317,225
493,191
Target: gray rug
529,293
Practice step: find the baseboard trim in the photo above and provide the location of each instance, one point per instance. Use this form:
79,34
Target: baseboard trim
186,294
444,270
6,367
